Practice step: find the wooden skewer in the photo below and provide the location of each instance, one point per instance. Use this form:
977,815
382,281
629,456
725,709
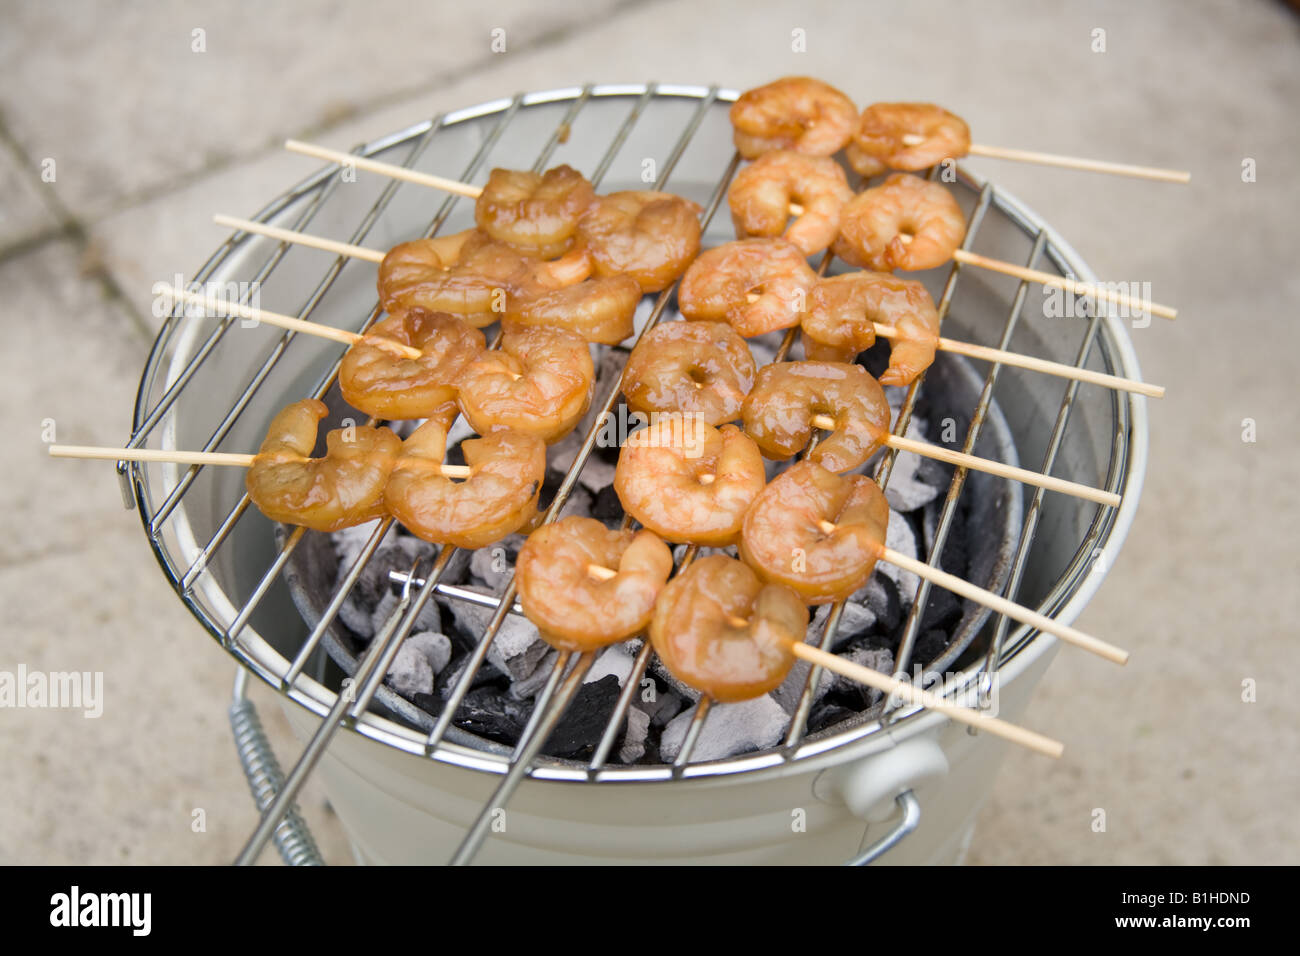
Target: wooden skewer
191,457
1025,361
965,715
998,603
1028,362
385,169
1060,282
890,685
1010,608
1001,469
220,306
300,238
1069,162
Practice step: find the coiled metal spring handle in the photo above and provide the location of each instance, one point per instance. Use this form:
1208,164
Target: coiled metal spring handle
292,837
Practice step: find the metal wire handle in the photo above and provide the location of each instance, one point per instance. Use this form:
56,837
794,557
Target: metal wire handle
293,838
911,819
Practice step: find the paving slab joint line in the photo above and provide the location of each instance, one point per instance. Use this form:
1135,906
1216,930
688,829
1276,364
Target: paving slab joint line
73,230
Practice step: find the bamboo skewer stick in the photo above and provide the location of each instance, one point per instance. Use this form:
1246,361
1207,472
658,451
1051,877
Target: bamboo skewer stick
96,453
225,307
384,169
300,238
1069,162
1001,469
981,352
964,715
1003,606
1058,282
1061,282
865,675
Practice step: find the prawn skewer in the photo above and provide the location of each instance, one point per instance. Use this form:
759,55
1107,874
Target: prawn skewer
790,399
792,515
178,457
912,224
212,303
1139,305
915,136
700,636
970,350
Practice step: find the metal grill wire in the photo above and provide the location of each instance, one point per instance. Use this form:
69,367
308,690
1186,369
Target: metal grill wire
349,709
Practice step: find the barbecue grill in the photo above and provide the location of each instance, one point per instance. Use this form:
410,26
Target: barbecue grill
408,793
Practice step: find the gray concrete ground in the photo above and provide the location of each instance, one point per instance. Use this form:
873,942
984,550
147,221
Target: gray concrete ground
123,126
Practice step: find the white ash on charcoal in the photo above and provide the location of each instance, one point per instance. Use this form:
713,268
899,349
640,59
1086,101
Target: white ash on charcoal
410,673
901,538
435,646
529,686
613,660
729,729
350,542
915,481
517,648
636,730
791,689
598,470
360,610
662,704
420,658
429,618
856,619
859,696
493,565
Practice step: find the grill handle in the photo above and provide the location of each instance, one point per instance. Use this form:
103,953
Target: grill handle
265,778
878,787
911,819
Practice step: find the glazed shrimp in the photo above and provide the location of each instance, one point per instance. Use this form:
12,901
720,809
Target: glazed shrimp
600,310
688,481
649,236
499,497
762,192
700,368
575,611
536,212
696,631
539,382
908,136
718,285
906,223
788,536
786,396
795,112
344,488
377,378
477,283
843,310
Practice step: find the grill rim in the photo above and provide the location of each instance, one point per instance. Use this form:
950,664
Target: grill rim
1073,589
